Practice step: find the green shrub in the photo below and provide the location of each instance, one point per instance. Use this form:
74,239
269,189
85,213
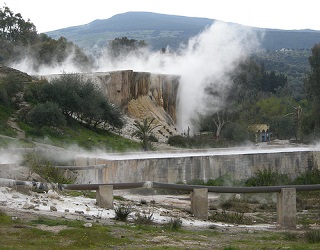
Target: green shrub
178,141
216,182
144,218
47,114
174,224
230,217
40,165
236,132
313,235
309,177
290,236
210,182
267,177
122,212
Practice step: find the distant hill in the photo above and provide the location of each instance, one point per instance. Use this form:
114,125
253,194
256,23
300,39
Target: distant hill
160,30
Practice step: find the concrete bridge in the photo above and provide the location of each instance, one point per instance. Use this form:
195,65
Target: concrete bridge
187,165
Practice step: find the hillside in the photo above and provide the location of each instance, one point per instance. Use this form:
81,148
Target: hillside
160,30
292,63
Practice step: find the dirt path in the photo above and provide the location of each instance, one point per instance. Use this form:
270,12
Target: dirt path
14,125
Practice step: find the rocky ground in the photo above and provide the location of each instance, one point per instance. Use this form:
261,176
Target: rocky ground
163,207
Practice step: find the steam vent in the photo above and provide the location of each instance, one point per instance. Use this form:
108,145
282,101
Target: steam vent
142,95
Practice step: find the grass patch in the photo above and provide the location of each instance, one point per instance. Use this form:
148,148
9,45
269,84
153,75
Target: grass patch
51,222
291,236
27,235
119,198
4,218
13,142
230,217
313,235
81,136
5,129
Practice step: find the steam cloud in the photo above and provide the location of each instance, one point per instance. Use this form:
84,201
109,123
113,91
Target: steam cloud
206,59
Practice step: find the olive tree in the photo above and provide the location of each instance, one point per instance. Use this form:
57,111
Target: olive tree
46,114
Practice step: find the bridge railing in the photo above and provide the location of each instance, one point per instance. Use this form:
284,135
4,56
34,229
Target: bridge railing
286,195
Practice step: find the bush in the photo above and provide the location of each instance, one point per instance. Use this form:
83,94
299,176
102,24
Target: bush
309,177
210,182
313,236
236,132
174,224
122,212
47,114
267,177
178,141
43,167
144,218
230,217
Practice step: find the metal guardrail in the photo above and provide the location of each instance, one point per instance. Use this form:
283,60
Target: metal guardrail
81,167
149,184
184,187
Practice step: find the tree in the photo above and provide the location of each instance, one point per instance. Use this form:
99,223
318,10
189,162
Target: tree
123,46
271,82
312,86
19,38
10,86
144,132
15,29
80,98
232,99
48,51
219,119
46,114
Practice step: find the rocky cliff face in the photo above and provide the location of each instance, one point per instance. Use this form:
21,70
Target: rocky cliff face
143,95
138,92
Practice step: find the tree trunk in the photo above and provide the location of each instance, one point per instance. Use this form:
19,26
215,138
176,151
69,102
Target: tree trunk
219,122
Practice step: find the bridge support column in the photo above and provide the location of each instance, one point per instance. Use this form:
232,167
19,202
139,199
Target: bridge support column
104,196
286,208
199,203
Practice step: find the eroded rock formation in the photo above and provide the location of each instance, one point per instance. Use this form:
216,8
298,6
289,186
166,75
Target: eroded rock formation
144,95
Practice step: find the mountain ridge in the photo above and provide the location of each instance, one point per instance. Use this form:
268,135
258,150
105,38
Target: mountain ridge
162,30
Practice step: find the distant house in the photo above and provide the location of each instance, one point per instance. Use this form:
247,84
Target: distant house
261,131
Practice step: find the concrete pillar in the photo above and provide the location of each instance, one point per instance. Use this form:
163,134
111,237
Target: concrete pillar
199,203
104,196
286,208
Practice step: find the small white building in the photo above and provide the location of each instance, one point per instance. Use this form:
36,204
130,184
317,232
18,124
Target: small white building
261,131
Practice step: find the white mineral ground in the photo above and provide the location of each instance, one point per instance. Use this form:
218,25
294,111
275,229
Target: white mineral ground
163,207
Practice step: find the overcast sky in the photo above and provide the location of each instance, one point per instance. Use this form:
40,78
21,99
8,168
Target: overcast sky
48,15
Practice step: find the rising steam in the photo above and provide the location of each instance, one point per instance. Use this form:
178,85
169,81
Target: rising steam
205,60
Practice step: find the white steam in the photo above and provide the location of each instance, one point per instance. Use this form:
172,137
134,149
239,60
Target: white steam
207,59
27,65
